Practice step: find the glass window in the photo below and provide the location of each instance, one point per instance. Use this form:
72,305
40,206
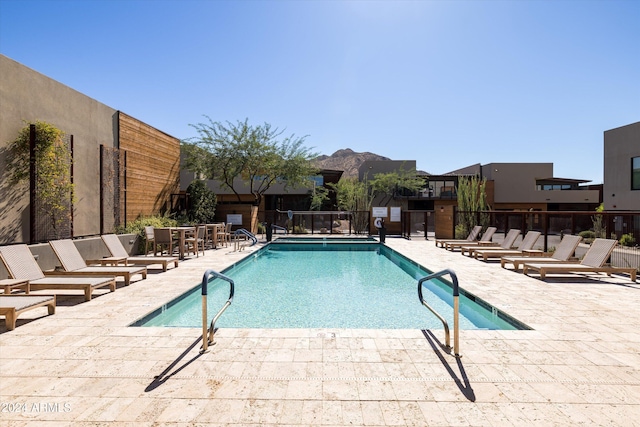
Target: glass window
635,173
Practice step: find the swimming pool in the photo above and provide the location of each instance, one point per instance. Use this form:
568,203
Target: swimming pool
327,239
324,285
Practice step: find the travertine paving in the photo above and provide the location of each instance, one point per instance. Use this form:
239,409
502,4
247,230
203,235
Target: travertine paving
580,365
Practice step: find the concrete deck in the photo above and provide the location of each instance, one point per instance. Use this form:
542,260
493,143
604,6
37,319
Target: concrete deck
580,365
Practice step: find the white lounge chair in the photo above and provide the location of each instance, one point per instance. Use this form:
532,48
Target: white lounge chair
11,306
526,244
20,264
473,235
484,240
564,251
593,262
506,243
119,254
73,264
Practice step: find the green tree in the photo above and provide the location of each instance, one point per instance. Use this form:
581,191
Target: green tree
385,185
357,197
599,228
54,188
202,203
472,198
319,196
256,155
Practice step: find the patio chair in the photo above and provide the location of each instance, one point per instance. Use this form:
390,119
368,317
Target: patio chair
118,252
484,240
20,264
593,262
526,244
506,243
197,240
564,251
11,306
164,237
149,239
227,234
73,264
473,235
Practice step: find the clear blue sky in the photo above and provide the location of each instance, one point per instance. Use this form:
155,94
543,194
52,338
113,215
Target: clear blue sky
445,83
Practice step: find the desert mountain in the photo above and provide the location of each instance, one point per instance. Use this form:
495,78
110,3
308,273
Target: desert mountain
346,160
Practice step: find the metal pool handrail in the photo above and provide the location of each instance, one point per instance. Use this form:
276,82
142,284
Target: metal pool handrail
247,233
277,227
206,340
456,308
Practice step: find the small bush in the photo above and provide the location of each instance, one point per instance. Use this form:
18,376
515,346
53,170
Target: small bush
627,240
461,232
587,235
137,227
299,229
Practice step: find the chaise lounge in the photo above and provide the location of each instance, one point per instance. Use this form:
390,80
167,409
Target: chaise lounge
506,243
119,254
20,264
485,240
473,235
593,262
73,264
527,244
563,253
11,306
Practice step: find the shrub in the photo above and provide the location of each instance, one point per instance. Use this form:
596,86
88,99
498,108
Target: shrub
627,240
461,231
202,203
54,188
137,227
587,235
299,229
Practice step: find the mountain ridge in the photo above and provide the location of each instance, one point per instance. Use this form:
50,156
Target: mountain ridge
346,160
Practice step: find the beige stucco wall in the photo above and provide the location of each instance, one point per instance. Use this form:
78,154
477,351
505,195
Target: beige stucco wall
28,95
516,183
620,145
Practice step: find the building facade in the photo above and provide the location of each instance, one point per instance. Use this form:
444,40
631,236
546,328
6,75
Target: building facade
622,168
122,167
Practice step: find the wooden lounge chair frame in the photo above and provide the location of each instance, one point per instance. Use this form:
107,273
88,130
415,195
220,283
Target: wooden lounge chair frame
11,306
484,240
593,262
527,243
509,238
20,264
473,235
119,254
73,264
563,253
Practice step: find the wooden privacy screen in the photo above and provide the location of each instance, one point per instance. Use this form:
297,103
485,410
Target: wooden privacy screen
152,168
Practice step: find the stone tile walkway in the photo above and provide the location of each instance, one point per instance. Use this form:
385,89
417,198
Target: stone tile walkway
579,365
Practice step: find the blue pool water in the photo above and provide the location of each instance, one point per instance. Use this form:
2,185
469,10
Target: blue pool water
321,285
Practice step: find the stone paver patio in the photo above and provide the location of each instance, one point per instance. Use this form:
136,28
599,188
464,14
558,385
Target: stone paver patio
580,365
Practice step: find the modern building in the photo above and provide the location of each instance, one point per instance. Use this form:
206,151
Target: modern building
622,168
510,186
122,168
532,186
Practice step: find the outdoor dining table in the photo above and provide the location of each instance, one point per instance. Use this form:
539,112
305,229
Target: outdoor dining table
182,235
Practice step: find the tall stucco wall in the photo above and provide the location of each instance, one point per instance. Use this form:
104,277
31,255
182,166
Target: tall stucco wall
620,146
28,95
